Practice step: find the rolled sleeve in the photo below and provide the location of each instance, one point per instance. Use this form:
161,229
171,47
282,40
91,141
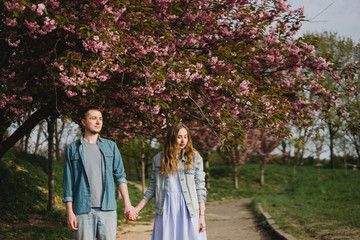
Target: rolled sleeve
67,178
201,190
118,168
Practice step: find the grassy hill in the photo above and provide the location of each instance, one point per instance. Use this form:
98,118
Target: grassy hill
23,201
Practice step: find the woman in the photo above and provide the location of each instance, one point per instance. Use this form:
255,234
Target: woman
178,185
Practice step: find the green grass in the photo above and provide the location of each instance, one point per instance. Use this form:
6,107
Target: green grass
316,205
307,202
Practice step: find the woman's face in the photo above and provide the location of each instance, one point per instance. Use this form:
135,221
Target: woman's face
182,138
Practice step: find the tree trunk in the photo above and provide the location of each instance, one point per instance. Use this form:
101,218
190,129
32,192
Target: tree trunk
51,178
37,143
236,183
27,138
331,135
262,171
26,145
57,141
143,165
285,159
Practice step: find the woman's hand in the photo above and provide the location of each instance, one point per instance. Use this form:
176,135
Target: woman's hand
202,225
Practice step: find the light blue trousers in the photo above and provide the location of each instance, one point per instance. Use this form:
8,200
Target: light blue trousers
96,224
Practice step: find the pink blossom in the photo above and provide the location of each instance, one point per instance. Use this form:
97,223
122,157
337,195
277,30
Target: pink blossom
12,75
29,99
13,44
11,22
32,26
14,6
54,3
281,5
70,93
2,104
49,25
103,78
40,9
70,44
156,110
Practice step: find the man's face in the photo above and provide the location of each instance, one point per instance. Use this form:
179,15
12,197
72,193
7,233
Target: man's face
93,122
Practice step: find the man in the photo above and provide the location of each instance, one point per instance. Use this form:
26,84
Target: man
91,166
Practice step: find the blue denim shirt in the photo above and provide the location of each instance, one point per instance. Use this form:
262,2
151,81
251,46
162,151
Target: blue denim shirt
75,181
192,184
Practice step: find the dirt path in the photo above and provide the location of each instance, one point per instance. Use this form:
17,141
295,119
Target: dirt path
225,220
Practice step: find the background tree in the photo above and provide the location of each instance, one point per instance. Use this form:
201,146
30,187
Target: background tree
344,55
267,141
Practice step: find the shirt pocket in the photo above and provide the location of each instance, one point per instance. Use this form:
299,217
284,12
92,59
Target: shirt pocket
190,172
109,157
76,160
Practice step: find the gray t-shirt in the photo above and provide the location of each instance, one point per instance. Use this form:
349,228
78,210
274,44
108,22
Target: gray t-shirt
94,165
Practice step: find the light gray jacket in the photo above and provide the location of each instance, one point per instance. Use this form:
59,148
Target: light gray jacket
192,184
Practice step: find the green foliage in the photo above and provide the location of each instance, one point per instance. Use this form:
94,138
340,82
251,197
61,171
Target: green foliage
131,153
221,171
339,161
23,199
21,178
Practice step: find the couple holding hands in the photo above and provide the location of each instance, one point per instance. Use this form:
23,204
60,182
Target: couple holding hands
92,164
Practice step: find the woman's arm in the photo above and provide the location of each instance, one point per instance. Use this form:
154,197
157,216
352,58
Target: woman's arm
141,205
201,190
202,225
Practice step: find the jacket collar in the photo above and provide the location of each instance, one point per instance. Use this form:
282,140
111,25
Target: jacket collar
100,139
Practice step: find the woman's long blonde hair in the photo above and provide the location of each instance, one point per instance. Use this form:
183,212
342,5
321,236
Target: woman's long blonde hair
169,162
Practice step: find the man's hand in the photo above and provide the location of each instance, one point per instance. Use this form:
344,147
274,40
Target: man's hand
72,221
71,217
130,213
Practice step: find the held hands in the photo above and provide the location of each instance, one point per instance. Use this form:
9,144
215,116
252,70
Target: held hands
130,213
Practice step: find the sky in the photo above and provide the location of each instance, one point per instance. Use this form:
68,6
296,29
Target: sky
341,16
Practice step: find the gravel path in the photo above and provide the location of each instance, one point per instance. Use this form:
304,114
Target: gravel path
224,220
